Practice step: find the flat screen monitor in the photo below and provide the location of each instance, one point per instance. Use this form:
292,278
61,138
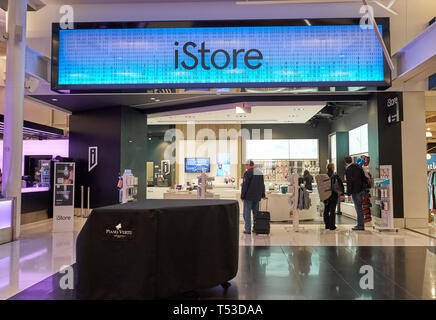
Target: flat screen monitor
358,140
193,165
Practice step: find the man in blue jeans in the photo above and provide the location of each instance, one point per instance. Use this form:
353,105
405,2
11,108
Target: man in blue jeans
356,188
253,190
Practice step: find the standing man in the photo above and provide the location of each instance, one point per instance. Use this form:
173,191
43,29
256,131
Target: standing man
356,188
253,190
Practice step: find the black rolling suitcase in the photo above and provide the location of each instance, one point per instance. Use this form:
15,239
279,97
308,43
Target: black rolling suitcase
261,222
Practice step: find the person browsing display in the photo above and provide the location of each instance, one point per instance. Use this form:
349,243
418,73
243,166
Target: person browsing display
356,189
332,202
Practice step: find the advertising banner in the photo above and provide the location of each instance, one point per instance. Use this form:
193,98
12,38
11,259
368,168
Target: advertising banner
255,54
63,198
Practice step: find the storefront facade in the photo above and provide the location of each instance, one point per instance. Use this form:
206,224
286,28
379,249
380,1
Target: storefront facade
388,144
205,61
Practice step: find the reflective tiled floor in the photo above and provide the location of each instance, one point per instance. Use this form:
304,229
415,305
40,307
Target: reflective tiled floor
312,263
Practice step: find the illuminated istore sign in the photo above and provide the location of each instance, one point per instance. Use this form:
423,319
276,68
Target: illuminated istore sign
208,55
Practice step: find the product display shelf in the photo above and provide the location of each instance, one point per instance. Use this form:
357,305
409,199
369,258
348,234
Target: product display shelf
384,198
278,170
130,187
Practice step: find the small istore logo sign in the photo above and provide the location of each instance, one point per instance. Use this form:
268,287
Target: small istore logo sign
92,158
119,230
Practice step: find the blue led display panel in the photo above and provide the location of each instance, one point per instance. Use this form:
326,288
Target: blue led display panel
219,56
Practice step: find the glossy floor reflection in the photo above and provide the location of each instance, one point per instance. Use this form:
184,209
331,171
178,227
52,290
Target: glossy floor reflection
309,273
271,267
429,231
316,235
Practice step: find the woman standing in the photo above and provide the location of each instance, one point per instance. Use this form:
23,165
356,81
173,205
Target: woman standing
332,202
308,179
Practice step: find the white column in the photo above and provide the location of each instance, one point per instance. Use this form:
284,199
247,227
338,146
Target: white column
14,99
414,152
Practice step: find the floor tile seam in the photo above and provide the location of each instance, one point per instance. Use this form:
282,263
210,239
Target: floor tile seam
421,233
293,270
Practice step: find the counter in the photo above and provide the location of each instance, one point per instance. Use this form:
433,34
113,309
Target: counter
185,195
6,206
36,202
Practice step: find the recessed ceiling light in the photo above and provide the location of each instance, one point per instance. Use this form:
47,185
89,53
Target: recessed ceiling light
54,99
156,100
152,98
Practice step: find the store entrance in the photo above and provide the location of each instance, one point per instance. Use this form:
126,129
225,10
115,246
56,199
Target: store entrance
281,138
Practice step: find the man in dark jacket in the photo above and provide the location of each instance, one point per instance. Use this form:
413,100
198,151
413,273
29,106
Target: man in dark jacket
253,190
356,188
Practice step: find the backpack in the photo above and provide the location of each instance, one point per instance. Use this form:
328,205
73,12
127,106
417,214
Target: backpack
336,187
369,180
324,185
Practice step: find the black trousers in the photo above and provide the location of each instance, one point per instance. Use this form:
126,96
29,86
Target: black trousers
330,211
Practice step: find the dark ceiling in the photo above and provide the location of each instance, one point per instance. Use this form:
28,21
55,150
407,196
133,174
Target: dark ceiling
175,101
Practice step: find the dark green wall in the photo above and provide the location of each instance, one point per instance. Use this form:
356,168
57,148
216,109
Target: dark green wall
156,146
134,146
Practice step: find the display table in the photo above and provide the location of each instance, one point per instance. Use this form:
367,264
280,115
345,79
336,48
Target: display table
184,195
157,248
278,206
347,209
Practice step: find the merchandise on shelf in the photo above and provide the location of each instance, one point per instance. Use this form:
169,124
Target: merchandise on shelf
129,186
279,170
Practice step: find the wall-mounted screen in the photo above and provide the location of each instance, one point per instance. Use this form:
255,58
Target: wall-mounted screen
253,53
303,149
223,164
267,149
282,149
194,165
358,140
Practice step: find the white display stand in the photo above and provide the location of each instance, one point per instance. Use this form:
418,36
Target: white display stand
204,184
63,197
293,200
130,187
383,190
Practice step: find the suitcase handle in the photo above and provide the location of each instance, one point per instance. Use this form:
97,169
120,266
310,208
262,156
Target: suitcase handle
266,204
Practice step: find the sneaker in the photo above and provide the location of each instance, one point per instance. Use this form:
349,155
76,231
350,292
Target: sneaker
247,232
333,229
357,228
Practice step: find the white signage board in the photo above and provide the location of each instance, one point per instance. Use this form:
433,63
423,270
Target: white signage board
63,197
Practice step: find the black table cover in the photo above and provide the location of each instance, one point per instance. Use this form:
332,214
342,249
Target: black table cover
157,248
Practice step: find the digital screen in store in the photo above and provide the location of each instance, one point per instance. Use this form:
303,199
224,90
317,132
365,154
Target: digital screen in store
282,149
255,56
197,165
358,140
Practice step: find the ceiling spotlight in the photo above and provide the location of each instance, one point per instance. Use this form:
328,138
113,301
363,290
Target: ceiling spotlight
243,108
54,99
428,134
